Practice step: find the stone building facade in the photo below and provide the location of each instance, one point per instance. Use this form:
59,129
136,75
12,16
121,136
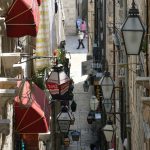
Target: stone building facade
131,75
70,11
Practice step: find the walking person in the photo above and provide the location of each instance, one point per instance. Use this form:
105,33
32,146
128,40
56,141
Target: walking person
78,23
80,39
83,27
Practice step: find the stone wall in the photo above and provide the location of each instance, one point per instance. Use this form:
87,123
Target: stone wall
70,16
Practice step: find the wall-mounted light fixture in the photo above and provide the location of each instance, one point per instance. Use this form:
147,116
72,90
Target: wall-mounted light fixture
94,103
85,86
64,119
57,82
133,32
107,85
108,130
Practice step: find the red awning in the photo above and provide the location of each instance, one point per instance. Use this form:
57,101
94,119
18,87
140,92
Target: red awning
32,109
22,18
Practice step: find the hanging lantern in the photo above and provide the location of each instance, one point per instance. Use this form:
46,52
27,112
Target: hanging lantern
91,117
108,131
133,32
64,120
58,82
107,85
66,141
94,103
86,86
73,106
107,105
75,135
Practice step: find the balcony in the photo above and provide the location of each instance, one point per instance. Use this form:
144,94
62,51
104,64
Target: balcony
7,89
8,59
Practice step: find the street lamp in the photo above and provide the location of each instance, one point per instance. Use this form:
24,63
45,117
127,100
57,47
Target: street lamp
86,86
133,31
94,103
108,131
107,85
58,82
64,119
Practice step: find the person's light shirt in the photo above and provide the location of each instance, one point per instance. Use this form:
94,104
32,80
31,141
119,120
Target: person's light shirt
79,21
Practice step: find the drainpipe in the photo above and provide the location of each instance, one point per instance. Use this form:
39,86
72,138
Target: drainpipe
147,32
128,124
114,67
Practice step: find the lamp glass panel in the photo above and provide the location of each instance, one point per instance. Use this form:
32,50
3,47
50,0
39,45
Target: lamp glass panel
107,105
133,23
64,125
53,77
64,116
132,41
94,103
64,120
86,86
133,31
108,132
63,77
107,86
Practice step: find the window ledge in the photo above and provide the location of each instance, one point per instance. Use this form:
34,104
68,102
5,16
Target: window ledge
146,100
143,81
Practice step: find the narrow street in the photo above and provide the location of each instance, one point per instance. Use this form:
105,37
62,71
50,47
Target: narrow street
82,99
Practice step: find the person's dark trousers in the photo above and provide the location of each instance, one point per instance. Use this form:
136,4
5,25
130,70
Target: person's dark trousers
80,43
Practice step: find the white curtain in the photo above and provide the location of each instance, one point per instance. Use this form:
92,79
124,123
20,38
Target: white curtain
59,19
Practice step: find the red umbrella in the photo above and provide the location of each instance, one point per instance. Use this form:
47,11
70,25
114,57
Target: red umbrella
22,18
32,109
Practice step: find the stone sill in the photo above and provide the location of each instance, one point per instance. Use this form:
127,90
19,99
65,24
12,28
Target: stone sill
8,59
7,92
143,81
121,76
10,54
8,83
122,65
146,100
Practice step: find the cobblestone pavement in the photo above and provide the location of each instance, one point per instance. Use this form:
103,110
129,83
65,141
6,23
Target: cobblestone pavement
81,98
